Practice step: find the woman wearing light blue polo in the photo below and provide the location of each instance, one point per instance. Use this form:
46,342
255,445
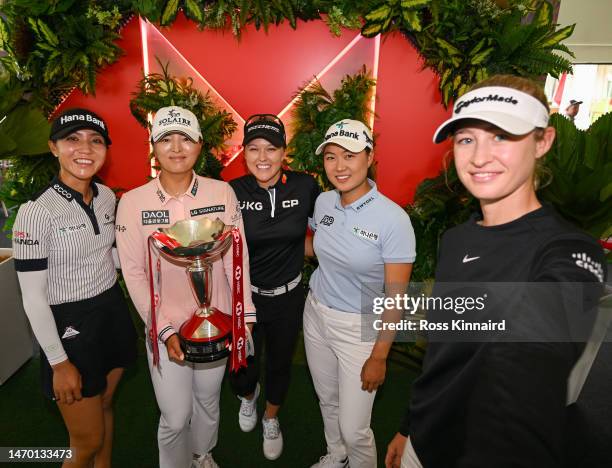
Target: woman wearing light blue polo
362,239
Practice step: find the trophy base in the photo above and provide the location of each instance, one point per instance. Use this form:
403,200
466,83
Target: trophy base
205,351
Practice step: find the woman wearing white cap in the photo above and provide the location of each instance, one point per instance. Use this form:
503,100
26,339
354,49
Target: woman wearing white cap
499,400
187,393
363,241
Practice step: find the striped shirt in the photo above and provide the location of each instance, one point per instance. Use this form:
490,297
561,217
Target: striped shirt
58,232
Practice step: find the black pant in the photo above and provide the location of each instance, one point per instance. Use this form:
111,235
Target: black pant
277,327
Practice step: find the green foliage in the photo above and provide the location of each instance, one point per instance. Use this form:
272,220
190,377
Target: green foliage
57,45
338,18
150,9
501,43
24,179
465,41
110,18
581,163
216,14
395,14
528,49
316,110
160,89
439,204
24,132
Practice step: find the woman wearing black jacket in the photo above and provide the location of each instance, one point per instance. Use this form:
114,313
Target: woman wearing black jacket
498,399
276,205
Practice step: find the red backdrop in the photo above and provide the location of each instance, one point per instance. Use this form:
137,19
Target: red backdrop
261,73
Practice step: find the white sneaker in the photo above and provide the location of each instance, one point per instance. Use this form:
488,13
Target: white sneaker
204,461
247,416
330,461
272,438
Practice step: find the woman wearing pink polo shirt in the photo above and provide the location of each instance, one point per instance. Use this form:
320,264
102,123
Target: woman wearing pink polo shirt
187,393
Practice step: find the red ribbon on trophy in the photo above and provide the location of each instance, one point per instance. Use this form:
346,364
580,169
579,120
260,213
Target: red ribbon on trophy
215,345
153,296
238,359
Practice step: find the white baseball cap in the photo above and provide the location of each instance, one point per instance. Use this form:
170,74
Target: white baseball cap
174,119
514,111
352,135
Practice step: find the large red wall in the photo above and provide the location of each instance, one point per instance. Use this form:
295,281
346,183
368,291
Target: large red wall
260,73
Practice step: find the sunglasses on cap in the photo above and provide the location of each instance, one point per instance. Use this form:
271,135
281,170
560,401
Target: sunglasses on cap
265,117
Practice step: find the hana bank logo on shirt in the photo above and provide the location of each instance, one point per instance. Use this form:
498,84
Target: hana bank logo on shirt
72,229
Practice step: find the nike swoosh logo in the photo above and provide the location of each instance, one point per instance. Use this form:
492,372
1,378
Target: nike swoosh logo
467,259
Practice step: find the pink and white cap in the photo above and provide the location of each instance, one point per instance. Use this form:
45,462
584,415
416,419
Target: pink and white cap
514,111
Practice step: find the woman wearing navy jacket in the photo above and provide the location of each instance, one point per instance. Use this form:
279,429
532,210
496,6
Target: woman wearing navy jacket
276,205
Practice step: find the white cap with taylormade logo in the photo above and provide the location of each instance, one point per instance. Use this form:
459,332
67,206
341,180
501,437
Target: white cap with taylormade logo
352,135
174,119
514,111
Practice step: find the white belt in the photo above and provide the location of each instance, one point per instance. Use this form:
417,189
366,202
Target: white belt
285,288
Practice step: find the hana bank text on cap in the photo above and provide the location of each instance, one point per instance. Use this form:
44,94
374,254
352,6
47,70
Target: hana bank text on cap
352,135
514,111
174,119
76,119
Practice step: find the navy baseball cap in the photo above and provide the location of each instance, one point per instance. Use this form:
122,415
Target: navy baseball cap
266,126
75,119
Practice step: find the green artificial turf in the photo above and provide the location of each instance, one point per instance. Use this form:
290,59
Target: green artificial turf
28,419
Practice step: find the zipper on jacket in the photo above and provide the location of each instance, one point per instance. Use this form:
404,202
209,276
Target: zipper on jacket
272,194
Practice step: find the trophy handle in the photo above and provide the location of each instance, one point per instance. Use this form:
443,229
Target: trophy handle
199,273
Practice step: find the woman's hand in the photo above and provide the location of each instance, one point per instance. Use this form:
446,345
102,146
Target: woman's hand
67,383
173,345
373,373
395,450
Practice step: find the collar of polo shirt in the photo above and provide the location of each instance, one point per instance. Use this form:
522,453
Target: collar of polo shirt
363,202
253,185
191,191
71,194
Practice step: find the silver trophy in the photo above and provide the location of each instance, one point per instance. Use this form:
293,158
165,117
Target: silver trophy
207,335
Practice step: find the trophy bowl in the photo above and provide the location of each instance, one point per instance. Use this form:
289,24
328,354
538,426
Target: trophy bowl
206,336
